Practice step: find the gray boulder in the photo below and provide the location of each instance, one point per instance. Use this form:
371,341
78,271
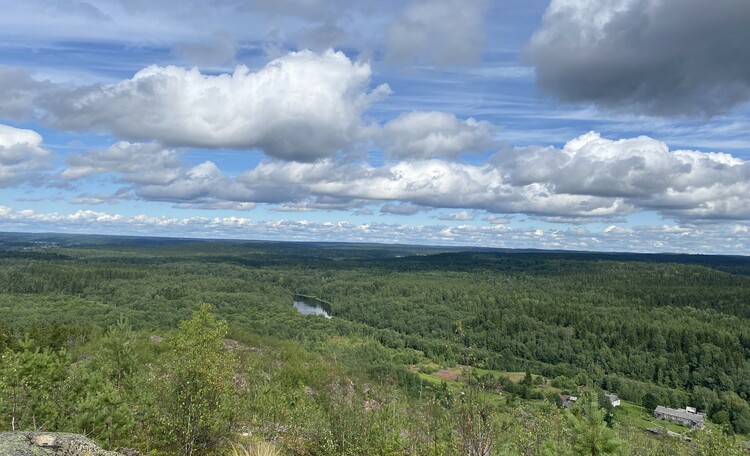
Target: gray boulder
49,444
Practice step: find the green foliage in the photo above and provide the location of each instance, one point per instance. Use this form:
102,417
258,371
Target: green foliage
717,443
535,430
669,330
634,442
609,410
528,379
738,411
650,402
591,436
197,393
102,388
476,424
30,381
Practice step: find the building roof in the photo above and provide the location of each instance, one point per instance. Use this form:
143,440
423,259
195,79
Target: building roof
680,413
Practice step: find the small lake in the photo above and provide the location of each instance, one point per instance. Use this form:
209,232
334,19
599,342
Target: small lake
308,306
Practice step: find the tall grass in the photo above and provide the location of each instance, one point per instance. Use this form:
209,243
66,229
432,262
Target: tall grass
255,449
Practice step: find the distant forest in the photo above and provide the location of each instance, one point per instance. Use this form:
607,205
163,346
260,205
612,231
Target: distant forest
667,329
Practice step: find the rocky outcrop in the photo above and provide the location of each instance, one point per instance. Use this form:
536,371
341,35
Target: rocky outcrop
49,444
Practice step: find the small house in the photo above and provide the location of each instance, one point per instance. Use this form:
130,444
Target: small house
568,401
614,400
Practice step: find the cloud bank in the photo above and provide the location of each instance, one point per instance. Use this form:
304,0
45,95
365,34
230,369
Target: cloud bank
200,32
304,106
645,238
661,57
590,178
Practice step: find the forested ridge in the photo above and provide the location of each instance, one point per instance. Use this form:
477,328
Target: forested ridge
674,329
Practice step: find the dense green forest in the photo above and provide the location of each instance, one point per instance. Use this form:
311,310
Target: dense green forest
110,336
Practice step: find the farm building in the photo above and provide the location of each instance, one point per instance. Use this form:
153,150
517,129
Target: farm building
687,416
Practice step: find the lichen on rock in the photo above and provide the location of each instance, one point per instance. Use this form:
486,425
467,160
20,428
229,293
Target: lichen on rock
49,444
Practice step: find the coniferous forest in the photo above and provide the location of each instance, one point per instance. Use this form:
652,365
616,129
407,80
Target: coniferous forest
177,346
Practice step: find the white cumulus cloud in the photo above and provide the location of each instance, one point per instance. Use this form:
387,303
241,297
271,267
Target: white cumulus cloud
642,173
462,216
136,162
302,106
21,155
435,134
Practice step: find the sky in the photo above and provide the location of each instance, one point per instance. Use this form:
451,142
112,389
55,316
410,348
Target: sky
607,125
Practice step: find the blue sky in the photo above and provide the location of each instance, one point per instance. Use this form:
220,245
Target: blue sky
589,125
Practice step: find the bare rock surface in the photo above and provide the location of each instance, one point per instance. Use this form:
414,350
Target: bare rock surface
49,444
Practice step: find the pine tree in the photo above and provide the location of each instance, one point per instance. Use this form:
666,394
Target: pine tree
591,436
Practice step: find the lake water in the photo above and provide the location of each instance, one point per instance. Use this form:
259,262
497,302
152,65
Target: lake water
306,309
